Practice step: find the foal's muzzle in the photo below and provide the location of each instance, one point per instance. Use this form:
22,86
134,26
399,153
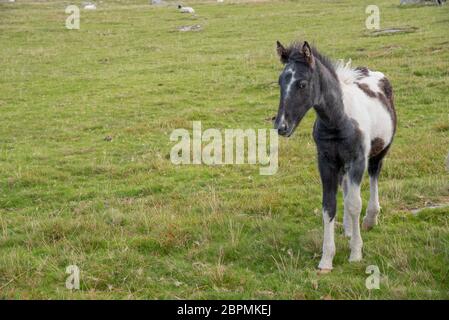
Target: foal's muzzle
283,128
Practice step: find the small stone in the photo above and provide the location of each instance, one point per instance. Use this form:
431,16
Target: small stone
195,27
90,6
390,31
178,283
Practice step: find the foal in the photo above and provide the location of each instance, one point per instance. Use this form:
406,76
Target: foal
354,129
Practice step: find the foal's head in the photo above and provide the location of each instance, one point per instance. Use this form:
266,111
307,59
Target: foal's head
297,87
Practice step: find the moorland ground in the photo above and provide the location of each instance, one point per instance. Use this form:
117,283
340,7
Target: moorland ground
86,178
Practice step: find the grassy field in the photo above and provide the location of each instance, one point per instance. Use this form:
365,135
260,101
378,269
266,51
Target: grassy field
139,227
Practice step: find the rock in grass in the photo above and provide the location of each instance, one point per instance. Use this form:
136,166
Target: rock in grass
90,6
437,2
390,31
195,27
430,206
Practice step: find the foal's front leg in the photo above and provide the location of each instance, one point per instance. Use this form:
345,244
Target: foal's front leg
353,207
329,179
347,219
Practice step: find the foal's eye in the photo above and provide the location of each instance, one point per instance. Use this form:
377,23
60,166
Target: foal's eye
302,84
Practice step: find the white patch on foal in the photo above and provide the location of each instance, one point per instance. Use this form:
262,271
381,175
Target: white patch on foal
292,80
353,207
373,205
328,243
373,118
347,220
287,90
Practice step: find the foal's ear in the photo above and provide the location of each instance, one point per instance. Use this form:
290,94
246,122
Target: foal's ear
308,55
282,52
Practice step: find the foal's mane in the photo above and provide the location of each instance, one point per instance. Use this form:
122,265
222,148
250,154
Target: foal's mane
295,54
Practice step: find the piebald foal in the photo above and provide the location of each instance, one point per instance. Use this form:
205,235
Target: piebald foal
354,129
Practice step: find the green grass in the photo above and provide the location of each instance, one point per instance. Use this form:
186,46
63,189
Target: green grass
139,227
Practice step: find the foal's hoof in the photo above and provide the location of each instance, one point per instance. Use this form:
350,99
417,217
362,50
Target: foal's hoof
323,271
355,256
368,224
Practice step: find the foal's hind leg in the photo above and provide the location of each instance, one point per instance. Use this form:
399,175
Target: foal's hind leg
373,208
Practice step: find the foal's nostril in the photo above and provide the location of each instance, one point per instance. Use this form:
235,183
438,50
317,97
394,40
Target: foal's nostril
282,129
